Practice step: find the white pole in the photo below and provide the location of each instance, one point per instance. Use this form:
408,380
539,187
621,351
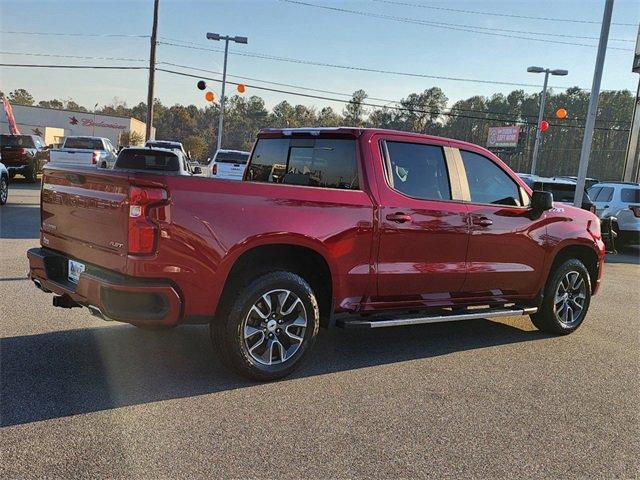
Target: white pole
536,146
593,103
224,82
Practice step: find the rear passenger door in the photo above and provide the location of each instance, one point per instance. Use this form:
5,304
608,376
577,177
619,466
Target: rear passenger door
423,231
602,198
506,253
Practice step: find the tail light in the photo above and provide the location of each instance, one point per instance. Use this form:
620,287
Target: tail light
215,169
636,210
24,151
143,231
94,157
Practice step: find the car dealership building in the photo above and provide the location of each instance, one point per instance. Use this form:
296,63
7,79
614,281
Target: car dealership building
52,124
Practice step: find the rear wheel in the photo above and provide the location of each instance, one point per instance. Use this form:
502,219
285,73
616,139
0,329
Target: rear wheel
268,327
4,189
566,300
31,175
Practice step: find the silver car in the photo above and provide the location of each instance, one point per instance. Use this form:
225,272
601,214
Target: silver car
4,183
620,200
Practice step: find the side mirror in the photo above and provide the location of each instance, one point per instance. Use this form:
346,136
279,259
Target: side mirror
541,200
197,170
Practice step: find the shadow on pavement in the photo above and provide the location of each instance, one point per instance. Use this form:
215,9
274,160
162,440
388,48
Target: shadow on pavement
630,254
19,221
71,372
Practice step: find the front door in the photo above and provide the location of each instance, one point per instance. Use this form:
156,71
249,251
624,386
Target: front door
506,252
423,228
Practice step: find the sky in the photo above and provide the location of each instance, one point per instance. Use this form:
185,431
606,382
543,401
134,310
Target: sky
293,30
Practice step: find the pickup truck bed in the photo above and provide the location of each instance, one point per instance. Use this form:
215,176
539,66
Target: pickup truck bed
305,240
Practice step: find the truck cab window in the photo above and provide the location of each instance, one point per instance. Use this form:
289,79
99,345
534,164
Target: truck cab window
488,183
418,170
328,163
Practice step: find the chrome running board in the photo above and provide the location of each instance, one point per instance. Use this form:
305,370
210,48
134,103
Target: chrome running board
361,322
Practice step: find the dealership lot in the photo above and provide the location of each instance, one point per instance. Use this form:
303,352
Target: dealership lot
81,397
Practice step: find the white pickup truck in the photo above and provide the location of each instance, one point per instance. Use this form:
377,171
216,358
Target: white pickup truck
85,151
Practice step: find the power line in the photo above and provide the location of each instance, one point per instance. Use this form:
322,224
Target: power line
447,26
79,67
386,100
351,67
68,34
55,55
450,113
390,107
507,15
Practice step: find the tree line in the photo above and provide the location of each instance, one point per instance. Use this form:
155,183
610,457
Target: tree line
422,112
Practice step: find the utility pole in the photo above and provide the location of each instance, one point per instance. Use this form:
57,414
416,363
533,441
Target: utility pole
543,99
593,103
152,70
226,38
632,159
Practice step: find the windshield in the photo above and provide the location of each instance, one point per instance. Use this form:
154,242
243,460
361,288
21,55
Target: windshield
16,141
84,143
148,160
232,157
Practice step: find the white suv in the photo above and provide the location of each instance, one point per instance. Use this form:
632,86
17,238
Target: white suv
620,200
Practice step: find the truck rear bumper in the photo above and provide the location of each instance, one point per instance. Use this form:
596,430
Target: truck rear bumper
107,294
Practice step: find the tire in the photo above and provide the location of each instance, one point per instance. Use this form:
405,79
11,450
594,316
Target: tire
31,175
4,189
568,287
256,338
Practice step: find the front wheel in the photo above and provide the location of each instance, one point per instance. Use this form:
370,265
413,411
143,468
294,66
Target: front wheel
4,189
267,327
566,299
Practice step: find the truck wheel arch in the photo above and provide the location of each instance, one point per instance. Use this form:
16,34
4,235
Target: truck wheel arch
303,260
584,253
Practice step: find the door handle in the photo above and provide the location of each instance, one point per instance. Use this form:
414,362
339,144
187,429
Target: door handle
399,217
482,222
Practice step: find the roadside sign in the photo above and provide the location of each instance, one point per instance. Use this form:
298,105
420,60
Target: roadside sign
505,137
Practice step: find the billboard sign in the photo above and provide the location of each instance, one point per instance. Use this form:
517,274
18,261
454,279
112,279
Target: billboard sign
503,137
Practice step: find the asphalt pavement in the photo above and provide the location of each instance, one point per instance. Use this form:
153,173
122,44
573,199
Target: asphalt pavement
83,398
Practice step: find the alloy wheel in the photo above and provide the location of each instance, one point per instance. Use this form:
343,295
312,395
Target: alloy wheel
275,326
570,299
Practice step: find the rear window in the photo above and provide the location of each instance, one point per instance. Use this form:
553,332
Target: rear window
561,192
84,143
167,145
604,195
329,163
148,160
232,157
630,195
16,141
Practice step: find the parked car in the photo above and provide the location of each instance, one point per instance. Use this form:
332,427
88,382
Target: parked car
620,200
227,164
169,145
339,227
563,189
98,151
24,155
4,183
154,159
588,182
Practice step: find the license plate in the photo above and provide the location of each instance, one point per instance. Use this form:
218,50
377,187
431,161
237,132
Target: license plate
75,269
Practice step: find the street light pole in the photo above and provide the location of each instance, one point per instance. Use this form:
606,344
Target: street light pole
536,146
543,99
593,103
152,71
226,38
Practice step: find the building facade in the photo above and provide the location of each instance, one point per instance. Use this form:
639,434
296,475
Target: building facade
52,124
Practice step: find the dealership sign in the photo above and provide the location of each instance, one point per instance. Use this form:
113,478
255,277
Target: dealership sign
503,136
87,122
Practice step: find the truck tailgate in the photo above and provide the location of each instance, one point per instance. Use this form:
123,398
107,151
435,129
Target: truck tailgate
84,215
72,156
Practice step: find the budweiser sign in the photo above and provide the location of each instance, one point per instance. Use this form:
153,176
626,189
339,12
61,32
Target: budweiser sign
88,122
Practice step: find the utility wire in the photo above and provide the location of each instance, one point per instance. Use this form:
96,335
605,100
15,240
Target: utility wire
507,15
450,113
390,107
386,100
447,26
55,55
68,34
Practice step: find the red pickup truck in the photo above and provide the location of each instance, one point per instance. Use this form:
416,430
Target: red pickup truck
341,227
